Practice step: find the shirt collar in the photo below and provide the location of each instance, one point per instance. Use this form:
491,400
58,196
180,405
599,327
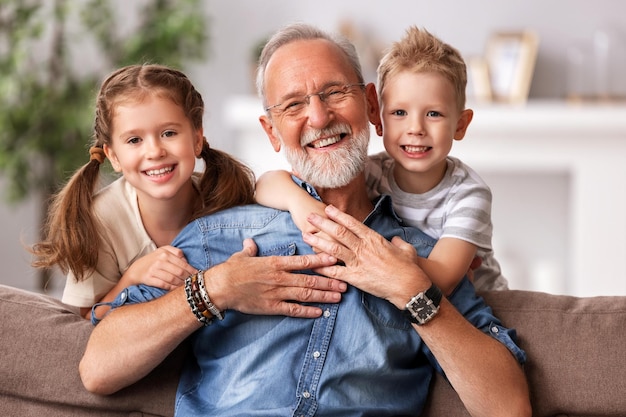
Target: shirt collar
382,204
307,187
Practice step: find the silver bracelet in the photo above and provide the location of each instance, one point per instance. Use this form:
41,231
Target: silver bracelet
205,297
194,306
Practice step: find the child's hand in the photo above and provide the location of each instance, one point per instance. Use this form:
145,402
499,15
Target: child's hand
276,189
476,263
324,236
301,211
305,209
164,268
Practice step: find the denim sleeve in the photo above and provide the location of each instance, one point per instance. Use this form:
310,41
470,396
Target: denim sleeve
191,241
474,309
131,295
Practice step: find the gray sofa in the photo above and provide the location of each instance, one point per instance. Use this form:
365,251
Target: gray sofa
576,359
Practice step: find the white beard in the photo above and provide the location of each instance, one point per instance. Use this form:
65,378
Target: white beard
332,169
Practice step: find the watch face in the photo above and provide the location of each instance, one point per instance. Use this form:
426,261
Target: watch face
424,312
421,309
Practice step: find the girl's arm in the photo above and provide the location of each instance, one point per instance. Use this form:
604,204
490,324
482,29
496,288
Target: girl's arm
134,339
276,189
164,268
448,262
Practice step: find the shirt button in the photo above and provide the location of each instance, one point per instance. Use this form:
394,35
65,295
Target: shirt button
123,296
326,313
306,394
494,329
316,355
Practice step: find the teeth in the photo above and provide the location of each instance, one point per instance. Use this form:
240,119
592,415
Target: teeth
158,171
326,142
409,148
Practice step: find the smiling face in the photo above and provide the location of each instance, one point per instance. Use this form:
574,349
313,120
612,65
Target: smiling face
154,145
420,119
325,144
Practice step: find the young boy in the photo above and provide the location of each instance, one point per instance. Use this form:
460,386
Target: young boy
421,92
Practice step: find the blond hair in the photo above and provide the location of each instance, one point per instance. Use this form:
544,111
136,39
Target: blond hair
420,51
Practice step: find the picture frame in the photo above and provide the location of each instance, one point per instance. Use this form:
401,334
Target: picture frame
479,84
510,60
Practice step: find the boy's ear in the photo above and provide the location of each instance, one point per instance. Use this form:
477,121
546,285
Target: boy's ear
268,127
464,121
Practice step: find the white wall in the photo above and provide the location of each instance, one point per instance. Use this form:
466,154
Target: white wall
556,172
235,26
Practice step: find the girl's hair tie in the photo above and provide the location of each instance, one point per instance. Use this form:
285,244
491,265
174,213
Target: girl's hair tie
97,153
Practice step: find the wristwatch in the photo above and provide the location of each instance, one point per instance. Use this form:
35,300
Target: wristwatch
424,306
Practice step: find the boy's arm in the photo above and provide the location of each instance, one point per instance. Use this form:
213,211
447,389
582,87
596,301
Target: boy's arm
276,189
448,262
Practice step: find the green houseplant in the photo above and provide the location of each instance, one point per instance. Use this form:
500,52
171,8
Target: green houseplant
47,87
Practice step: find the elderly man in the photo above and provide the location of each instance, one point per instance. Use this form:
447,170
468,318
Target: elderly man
374,351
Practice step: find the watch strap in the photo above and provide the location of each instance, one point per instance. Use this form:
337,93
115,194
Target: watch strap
435,295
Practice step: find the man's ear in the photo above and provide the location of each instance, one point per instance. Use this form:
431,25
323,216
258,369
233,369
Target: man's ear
373,108
464,121
112,157
268,127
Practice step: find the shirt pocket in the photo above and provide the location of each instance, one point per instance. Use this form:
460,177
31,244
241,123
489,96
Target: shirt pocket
385,313
282,249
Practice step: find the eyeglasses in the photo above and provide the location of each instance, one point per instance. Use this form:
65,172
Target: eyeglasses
334,97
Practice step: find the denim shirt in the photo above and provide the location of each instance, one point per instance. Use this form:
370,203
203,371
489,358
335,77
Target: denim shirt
362,357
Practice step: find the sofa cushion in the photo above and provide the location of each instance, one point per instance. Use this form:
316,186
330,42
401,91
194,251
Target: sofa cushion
39,365
576,351
576,359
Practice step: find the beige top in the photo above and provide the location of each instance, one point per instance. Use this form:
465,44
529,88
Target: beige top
124,239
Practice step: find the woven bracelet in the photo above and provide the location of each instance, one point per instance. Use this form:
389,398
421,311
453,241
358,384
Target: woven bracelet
195,304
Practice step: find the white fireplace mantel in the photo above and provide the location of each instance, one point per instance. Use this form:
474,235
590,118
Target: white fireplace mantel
585,142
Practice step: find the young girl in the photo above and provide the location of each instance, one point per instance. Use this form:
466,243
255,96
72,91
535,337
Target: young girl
421,91
148,124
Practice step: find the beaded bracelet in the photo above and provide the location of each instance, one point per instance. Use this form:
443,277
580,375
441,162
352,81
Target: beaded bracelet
199,301
195,305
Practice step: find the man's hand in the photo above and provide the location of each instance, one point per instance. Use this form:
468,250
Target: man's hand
370,262
268,285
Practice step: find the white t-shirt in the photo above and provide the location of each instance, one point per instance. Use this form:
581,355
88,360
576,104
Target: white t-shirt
458,207
123,240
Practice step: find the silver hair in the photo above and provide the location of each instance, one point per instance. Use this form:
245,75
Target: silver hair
296,32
